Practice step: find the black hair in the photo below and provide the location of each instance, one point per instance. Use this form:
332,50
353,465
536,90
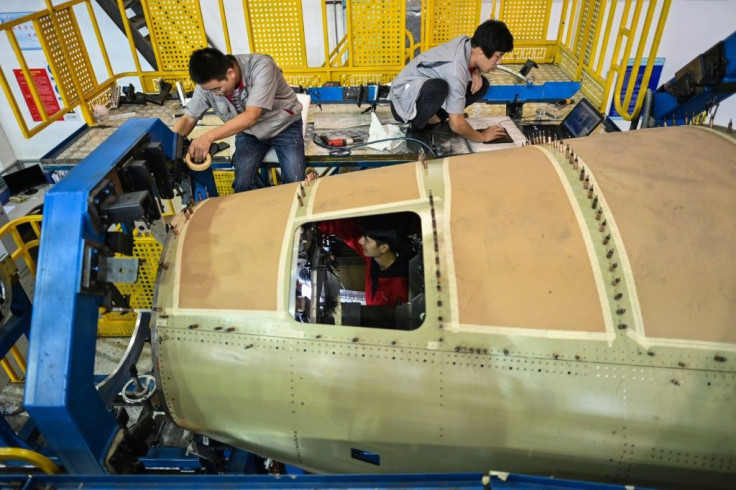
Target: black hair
209,64
491,36
384,229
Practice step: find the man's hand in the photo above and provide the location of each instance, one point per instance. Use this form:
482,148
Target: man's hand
200,148
493,132
477,81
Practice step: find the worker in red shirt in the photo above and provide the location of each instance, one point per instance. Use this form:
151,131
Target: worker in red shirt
378,242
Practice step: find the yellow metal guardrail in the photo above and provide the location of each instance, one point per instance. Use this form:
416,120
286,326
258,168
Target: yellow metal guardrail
583,46
24,250
27,456
365,41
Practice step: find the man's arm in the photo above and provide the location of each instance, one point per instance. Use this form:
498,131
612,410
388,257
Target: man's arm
200,147
460,126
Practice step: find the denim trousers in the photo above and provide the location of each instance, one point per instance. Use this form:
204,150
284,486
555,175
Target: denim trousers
250,151
431,97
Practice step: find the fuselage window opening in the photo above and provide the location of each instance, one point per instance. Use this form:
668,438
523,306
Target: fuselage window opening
365,272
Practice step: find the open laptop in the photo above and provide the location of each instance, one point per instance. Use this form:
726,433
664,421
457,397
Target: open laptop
581,121
25,181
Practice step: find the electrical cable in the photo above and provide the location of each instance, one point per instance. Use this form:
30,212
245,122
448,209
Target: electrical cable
346,151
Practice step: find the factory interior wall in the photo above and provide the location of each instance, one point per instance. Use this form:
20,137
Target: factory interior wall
7,154
683,39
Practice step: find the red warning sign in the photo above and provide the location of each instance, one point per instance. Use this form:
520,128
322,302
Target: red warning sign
45,90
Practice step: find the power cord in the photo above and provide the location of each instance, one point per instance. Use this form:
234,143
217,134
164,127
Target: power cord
345,151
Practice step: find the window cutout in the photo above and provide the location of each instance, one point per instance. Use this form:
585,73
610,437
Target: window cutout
364,272
367,456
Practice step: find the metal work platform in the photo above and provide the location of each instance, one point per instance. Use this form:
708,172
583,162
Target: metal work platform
331,118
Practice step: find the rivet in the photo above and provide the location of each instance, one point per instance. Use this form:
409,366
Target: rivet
193,326
163,265
505,352
355,339
609,254
618,296
719,359
621,311
622,326
675,382
650,354
556,356
577,358
681,364
230,329
616,281
606,239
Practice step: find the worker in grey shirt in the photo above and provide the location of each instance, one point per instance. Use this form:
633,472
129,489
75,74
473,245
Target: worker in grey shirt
440,83
249,93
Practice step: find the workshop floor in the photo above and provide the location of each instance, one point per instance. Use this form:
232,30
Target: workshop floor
109,352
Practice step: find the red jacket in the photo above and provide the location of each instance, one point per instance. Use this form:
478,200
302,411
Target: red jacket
382,287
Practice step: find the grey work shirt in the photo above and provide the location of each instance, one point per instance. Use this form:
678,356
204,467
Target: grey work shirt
264,87
449,62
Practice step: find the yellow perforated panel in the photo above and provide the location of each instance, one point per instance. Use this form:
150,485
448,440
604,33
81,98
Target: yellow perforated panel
593,89
378,32
300,80
277,29
586,35
224,181
569,65
176,29
74,44
148,251
526,19
448,19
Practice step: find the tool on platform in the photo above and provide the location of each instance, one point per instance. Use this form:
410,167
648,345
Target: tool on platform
340,141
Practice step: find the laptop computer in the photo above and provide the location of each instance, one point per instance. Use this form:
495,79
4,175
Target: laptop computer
581,121
25,181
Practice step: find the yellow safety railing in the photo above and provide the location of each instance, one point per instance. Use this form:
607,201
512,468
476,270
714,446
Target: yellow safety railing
528,20
583,46
365,41
24,250
27,456
447,19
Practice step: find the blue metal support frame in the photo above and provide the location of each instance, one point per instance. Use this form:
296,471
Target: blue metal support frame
60,394
401,481
497,94
667,108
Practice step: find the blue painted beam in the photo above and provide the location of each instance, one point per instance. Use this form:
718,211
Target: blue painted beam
666,107
404,481
60,395
497,94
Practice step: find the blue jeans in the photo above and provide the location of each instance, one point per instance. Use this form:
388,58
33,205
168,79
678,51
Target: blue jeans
250,151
